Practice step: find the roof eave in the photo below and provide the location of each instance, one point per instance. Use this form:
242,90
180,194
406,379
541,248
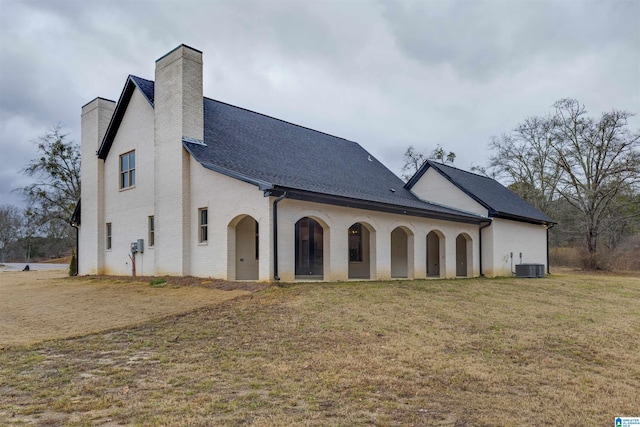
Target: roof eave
261,184
348,202
416,176
503,215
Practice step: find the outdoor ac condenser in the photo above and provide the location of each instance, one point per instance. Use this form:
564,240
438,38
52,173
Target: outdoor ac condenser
530,270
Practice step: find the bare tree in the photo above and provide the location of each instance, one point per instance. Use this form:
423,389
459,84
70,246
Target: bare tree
413,160
10,227
593,165
53,195
524,157
599,159
440,155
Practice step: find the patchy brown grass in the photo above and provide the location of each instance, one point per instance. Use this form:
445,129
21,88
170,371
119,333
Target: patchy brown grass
40,305
562,350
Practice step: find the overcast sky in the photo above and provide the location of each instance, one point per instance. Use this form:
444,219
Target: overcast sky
384,74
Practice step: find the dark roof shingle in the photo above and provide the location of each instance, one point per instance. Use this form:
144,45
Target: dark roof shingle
145,86
272,153
282,154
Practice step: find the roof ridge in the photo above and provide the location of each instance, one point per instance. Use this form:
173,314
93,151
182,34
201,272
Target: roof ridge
260,114
438,164
142,78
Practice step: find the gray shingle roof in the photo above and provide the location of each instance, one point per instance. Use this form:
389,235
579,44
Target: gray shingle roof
272,153
145,86
499,200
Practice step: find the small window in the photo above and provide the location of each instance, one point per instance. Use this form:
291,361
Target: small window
108,236
152,231
128,170
355,242
204,224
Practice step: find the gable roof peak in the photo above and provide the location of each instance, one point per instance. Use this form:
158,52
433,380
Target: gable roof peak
146,88
499,200
443,167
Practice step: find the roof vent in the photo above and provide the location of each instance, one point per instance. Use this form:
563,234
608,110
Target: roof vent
393,190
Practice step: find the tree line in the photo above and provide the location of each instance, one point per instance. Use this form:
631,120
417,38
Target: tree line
41,229
582,171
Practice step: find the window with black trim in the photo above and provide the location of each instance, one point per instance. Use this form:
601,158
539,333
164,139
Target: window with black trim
152,231
203,215
108,236
128,170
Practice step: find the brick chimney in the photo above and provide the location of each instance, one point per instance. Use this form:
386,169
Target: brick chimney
179,114
95,119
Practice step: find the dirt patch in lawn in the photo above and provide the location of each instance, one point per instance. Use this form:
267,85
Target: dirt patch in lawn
41,305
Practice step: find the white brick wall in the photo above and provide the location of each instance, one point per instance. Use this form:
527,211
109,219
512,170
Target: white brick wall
95,120
128,209
226,199
435,188
178,113
504,237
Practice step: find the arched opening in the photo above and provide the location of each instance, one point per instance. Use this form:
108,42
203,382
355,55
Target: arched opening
244,248
400,253
309,249
361,248
464,257
435,253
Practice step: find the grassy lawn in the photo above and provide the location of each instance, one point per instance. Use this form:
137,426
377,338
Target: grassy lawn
563,350
40,305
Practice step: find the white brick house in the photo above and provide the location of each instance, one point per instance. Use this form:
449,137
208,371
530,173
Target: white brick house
214,190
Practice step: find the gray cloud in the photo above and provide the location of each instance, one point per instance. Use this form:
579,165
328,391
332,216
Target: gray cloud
486,39
385,74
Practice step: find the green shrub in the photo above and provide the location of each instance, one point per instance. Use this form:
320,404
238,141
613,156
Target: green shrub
158,283
73,264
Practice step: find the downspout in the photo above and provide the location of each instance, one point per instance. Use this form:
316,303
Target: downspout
275,235
77,247
549,228
480,244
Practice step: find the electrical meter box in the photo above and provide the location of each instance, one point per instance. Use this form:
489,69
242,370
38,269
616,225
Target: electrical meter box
137,246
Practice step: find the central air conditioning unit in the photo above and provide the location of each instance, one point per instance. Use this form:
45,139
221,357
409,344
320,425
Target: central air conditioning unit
530,270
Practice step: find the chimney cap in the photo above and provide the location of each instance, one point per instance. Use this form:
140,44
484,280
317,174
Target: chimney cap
179,47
